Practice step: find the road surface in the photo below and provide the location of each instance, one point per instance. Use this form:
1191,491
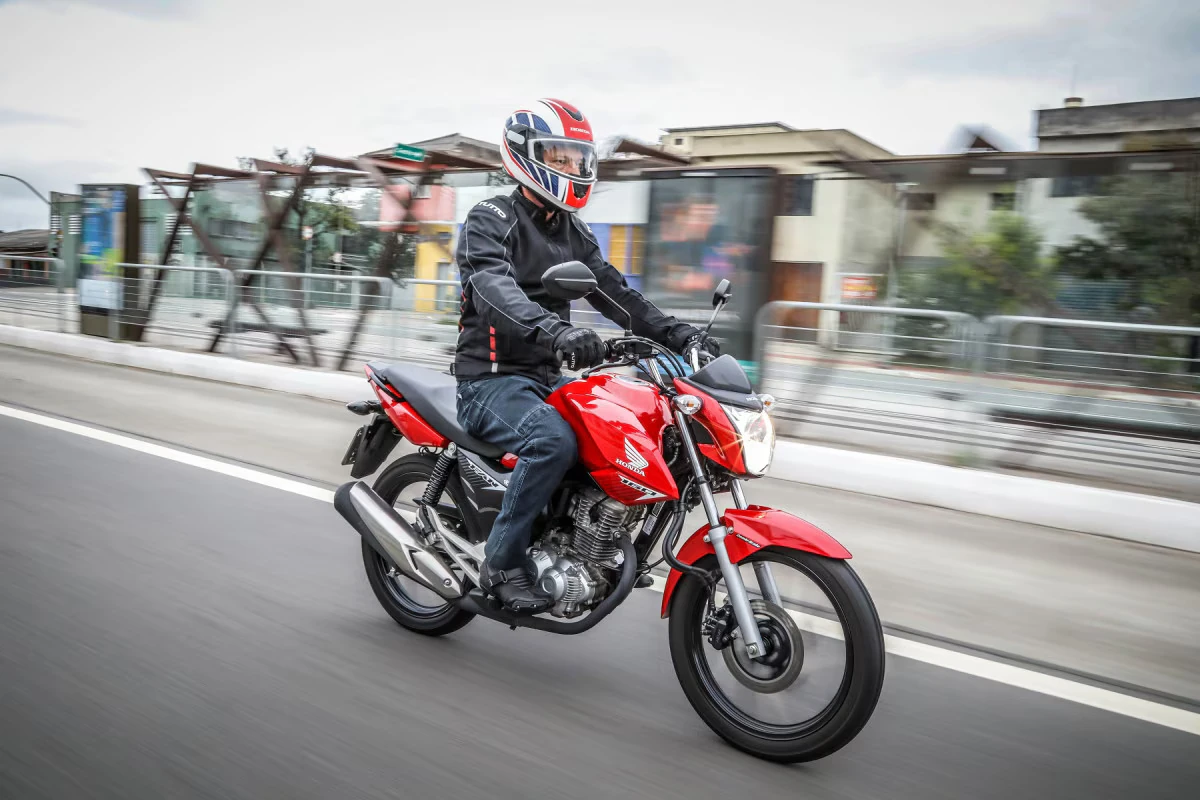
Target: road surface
171,632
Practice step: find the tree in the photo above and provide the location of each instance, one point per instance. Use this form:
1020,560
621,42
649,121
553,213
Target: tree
995,271
998,270
1148,235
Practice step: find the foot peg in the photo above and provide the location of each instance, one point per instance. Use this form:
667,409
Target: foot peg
643,582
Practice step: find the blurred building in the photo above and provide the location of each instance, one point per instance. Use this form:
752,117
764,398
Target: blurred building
1078,147
831,233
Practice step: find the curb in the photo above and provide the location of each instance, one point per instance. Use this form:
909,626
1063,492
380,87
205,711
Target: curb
1123,515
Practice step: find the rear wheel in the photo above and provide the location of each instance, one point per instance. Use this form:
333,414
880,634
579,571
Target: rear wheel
823,672
405,600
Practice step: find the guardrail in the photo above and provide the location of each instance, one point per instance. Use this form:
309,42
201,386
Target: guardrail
1005,393
1115,402
24,299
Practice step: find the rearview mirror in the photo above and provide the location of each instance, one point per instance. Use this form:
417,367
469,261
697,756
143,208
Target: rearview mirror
723,293
570,281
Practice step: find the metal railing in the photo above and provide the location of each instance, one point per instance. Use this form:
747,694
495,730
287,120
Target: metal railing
1113,402
34,297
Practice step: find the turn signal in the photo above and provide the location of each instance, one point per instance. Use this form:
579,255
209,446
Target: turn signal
767,400
688,403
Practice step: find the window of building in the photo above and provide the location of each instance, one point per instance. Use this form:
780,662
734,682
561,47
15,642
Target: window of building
1075,186
798,196
637,250
678,140
921,201
73,225
1004,201
149,241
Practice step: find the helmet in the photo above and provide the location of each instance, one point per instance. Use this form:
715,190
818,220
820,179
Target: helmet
547,147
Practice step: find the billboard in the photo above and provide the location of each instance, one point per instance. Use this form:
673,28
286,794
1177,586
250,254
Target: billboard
109,236
102,246
705,225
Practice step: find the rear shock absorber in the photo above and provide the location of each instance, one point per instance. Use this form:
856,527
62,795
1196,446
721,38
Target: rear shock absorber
440,477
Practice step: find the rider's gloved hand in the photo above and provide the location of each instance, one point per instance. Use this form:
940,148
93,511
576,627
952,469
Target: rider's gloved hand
579,348
703,343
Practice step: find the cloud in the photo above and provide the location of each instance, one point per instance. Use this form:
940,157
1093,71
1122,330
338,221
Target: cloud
137,8
1116,52
13,116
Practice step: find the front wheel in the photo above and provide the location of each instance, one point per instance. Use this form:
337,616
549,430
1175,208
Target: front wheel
819,681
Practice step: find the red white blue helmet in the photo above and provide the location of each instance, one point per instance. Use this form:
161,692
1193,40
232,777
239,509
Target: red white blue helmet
548,148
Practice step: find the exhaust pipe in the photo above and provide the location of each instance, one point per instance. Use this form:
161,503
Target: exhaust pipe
394,538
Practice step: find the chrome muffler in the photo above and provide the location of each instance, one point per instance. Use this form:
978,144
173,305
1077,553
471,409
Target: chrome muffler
395,539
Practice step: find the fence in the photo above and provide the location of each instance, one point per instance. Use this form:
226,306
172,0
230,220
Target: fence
34,296
1012,393
1113,402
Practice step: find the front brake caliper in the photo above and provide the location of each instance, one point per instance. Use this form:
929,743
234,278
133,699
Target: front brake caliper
718,626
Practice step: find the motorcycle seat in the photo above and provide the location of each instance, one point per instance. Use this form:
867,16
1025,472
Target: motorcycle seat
434,396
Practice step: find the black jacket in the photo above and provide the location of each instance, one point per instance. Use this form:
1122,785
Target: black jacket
508,320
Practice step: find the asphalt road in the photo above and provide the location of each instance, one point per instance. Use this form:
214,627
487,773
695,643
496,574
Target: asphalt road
171,632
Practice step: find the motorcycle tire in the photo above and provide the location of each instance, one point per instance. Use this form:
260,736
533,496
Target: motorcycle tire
855,699
404,609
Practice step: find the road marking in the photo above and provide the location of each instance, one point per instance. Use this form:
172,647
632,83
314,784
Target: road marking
171,454
1082,693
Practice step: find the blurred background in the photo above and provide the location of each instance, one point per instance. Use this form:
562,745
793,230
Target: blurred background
1018,193
968,236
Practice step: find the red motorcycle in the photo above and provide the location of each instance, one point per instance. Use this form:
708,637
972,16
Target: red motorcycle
774,638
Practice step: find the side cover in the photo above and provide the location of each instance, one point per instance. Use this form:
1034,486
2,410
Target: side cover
750,530
618,423
485,483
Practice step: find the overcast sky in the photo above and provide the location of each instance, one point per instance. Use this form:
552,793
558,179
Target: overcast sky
91,90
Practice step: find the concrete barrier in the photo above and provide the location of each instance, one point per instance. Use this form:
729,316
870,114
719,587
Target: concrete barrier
1124,515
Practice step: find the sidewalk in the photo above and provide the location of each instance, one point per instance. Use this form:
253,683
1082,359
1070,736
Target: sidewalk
1124,611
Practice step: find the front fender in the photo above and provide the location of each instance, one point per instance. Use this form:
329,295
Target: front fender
750,530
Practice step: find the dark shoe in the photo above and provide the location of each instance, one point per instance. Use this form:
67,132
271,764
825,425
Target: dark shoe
514,588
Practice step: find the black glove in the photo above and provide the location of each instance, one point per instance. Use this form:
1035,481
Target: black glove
702,342
579,348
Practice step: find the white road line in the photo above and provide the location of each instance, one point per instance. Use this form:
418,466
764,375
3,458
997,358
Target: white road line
1011,675
210,464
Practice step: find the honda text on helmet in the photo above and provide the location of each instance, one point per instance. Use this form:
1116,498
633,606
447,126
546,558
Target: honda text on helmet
547,148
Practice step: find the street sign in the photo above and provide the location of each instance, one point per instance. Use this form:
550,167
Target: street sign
408,153
306,232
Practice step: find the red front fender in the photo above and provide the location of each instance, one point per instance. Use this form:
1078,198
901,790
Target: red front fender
750,530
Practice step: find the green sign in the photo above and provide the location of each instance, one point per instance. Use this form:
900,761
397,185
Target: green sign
408,153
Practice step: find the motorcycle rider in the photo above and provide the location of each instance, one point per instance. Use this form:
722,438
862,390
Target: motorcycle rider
511,329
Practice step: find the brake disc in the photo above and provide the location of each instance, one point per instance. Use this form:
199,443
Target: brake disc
782,664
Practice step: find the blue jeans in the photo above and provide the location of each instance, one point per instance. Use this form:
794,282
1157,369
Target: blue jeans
510,411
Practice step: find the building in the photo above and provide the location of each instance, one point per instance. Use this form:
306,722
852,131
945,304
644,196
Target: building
1078,147
1112,129
16,248
829,232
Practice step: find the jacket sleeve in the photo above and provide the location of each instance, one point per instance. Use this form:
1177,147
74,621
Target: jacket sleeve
648,320
490,285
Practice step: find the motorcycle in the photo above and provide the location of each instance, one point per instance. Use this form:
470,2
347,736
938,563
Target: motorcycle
757,600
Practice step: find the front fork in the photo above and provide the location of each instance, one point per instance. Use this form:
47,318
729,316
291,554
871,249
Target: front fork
717,532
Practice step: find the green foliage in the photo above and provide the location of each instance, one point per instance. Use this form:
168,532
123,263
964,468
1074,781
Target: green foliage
995,271
1149,235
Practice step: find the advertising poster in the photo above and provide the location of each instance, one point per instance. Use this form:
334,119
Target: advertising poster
705,226
858,287
102,246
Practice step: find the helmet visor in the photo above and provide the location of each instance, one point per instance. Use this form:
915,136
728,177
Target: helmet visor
568,158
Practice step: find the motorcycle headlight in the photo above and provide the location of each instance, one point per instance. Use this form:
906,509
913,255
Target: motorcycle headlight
757,435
